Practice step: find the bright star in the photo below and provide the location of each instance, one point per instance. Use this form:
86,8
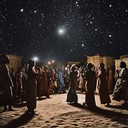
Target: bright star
21,10
61,31
110,35
82,45
110,5
35,11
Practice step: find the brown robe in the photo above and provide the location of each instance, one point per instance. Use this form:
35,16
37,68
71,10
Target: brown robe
103,87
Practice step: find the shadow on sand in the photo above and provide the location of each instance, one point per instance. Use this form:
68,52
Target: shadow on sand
111,114
23,119
125,107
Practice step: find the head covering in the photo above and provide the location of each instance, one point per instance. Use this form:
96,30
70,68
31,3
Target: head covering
89,66
4,59
122,64
101,65
72,68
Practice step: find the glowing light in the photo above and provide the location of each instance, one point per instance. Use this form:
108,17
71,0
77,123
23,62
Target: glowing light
110,35
61,31
53,61
35,58
21,10
35,11
90,22
82,45
95,29
110,5
49,62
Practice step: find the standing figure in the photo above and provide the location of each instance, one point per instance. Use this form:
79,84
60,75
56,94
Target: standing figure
103,85
121,86
31,89
14,80
111,79
51,81
66,77
82,81
45,82
71,95
39,83
61,80
20,85
90,77
6,83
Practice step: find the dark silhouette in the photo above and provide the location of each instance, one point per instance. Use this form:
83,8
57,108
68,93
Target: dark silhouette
90,78
6,83
31,90
22,120
103,85
71,95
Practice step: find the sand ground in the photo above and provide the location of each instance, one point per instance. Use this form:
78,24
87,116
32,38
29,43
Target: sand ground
56,113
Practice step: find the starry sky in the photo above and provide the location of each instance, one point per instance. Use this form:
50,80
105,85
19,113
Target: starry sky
63,29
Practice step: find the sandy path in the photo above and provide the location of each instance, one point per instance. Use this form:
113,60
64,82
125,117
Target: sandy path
56,113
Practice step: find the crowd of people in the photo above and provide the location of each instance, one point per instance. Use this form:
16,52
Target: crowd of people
33,82
104,80
29,83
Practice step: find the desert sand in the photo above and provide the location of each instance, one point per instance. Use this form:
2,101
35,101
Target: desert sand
57,113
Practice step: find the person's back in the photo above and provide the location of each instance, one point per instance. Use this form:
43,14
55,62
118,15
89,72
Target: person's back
90,78
90,75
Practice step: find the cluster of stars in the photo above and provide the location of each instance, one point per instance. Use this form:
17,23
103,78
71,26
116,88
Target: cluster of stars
64,29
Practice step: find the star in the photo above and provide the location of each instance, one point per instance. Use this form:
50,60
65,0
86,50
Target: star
82,45
61,31
35,11
66,29
22,10
110,35
110,5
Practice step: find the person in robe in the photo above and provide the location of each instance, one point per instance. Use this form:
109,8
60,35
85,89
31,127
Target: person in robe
31,87
40,88
45,82
72,95
6,83
90,78
103,85
121,87
61,80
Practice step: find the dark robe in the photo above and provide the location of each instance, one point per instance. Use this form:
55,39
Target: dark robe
90,78
103,87
31,90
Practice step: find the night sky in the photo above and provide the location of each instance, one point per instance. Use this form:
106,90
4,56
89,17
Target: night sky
63,29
